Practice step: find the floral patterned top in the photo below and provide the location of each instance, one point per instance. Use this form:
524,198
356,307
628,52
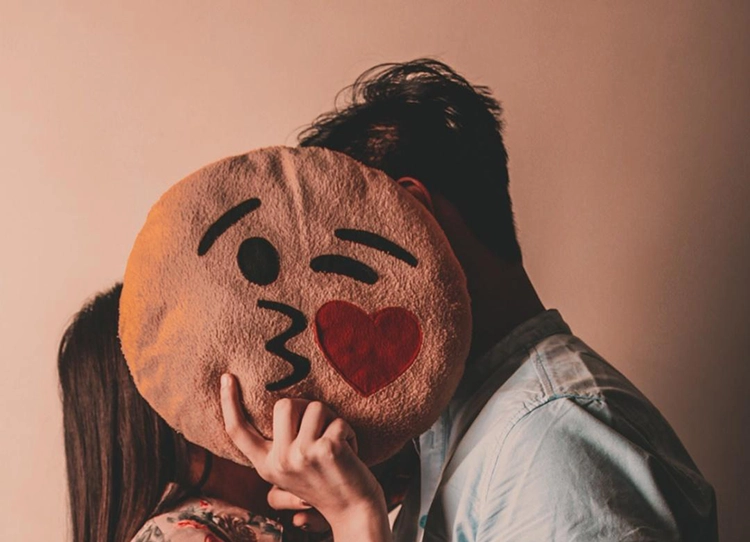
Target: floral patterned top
209,520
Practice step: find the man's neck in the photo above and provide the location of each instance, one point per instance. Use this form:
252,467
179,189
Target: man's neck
502,298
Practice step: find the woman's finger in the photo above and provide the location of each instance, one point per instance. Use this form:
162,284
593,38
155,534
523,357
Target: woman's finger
280,499
311,521
245,436
339,430
315,419
287,414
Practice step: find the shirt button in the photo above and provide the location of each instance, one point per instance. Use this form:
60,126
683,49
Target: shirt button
423,521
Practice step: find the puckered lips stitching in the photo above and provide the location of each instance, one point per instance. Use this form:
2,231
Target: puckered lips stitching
277,345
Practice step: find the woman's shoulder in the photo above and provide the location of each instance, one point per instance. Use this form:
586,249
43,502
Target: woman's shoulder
208,520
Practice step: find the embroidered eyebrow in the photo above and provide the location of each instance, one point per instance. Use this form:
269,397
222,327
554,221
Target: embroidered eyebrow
343,265
373,240
226,221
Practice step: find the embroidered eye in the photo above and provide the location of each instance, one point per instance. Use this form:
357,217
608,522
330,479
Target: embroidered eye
258,261
349,267
343,265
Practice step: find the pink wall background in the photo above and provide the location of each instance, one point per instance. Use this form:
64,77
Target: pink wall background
627,125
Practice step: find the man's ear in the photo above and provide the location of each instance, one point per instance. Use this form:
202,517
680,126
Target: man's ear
418,190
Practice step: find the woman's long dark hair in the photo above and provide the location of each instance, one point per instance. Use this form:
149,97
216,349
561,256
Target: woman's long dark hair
121,456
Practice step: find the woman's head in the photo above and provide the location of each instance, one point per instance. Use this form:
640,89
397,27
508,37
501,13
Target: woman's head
121,456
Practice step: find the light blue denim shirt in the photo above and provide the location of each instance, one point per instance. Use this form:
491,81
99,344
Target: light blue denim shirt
544,440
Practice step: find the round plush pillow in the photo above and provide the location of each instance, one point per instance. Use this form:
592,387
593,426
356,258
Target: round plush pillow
305,274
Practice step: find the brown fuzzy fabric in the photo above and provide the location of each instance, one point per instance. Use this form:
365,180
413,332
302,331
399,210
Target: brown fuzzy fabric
239,269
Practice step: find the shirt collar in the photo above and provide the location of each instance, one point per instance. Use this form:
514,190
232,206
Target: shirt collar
486,374
505,352
482,377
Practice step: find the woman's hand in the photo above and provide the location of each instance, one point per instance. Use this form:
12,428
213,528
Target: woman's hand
314,456
303,516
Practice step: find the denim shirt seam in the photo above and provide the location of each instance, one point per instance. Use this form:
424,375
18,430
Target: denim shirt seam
522,413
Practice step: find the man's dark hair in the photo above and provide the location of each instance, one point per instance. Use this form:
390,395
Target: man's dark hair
421,119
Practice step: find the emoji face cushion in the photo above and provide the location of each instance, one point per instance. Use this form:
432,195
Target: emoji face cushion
305,274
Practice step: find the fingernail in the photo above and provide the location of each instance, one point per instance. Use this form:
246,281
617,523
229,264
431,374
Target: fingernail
225,380
305,503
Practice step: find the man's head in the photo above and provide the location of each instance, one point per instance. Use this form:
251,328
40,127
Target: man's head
421,119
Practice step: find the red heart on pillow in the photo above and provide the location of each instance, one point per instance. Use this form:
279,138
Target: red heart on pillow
369,351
